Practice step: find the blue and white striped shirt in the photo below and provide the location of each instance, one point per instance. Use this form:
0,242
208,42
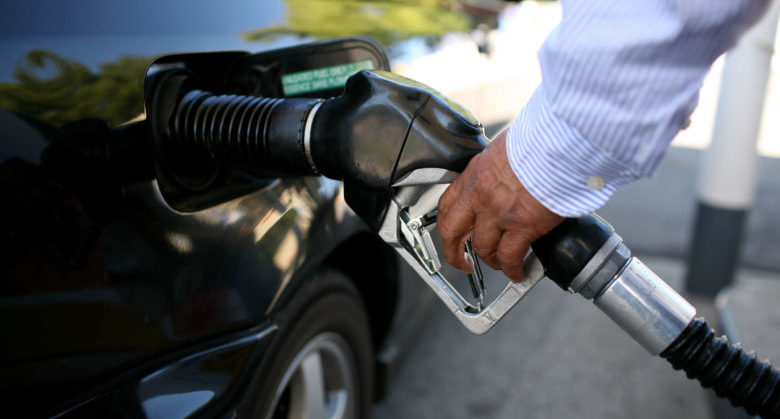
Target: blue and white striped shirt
620,79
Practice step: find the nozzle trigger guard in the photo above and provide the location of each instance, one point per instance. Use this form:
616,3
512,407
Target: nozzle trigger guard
407,227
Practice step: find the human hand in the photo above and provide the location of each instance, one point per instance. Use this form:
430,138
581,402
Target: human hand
489,203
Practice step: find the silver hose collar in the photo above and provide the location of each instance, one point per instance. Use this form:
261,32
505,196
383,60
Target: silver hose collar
645,306
307,136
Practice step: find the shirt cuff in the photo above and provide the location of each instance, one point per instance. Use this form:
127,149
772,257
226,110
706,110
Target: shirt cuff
564,171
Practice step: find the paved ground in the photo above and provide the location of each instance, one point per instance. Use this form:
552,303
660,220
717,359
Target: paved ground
556,355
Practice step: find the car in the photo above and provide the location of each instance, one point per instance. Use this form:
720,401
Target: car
236,295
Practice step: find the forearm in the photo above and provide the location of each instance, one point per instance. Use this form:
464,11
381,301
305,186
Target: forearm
620,80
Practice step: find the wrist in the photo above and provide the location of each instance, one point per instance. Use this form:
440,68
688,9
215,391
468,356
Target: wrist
561,169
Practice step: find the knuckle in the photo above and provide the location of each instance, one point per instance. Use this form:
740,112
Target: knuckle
491,261
484,242
500,200
478,246
508,257
446,198
445,228
484,252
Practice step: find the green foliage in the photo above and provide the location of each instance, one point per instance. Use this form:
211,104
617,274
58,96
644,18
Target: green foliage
56,90
387,21
114,93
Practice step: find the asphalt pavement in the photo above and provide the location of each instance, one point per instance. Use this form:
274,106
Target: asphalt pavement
556,355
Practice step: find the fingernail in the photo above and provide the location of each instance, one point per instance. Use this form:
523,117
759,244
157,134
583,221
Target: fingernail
469,262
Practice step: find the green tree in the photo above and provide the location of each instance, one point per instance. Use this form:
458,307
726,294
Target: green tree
387,21
114,93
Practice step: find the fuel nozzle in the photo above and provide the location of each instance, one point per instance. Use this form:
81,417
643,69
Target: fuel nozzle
383,128
380,130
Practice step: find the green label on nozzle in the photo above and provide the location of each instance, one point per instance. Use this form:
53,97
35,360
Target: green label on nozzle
322,78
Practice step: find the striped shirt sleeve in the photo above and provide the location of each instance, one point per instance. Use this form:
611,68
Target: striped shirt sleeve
620,79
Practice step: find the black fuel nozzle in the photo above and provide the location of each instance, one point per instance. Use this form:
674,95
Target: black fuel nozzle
384,127
380,129
567,249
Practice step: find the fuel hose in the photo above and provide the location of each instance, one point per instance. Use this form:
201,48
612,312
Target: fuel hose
586,256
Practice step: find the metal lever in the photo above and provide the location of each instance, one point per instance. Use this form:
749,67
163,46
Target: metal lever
407,226
476,279
418,238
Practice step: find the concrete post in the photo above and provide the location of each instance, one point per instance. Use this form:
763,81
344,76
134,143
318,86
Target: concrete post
727,180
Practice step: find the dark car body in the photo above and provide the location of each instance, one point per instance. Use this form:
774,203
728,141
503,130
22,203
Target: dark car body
112,302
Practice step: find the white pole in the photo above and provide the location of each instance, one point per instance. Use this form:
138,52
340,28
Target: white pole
728,173
727,180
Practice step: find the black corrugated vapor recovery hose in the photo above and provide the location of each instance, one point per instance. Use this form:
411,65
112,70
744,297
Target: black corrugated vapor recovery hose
252,133
723,366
